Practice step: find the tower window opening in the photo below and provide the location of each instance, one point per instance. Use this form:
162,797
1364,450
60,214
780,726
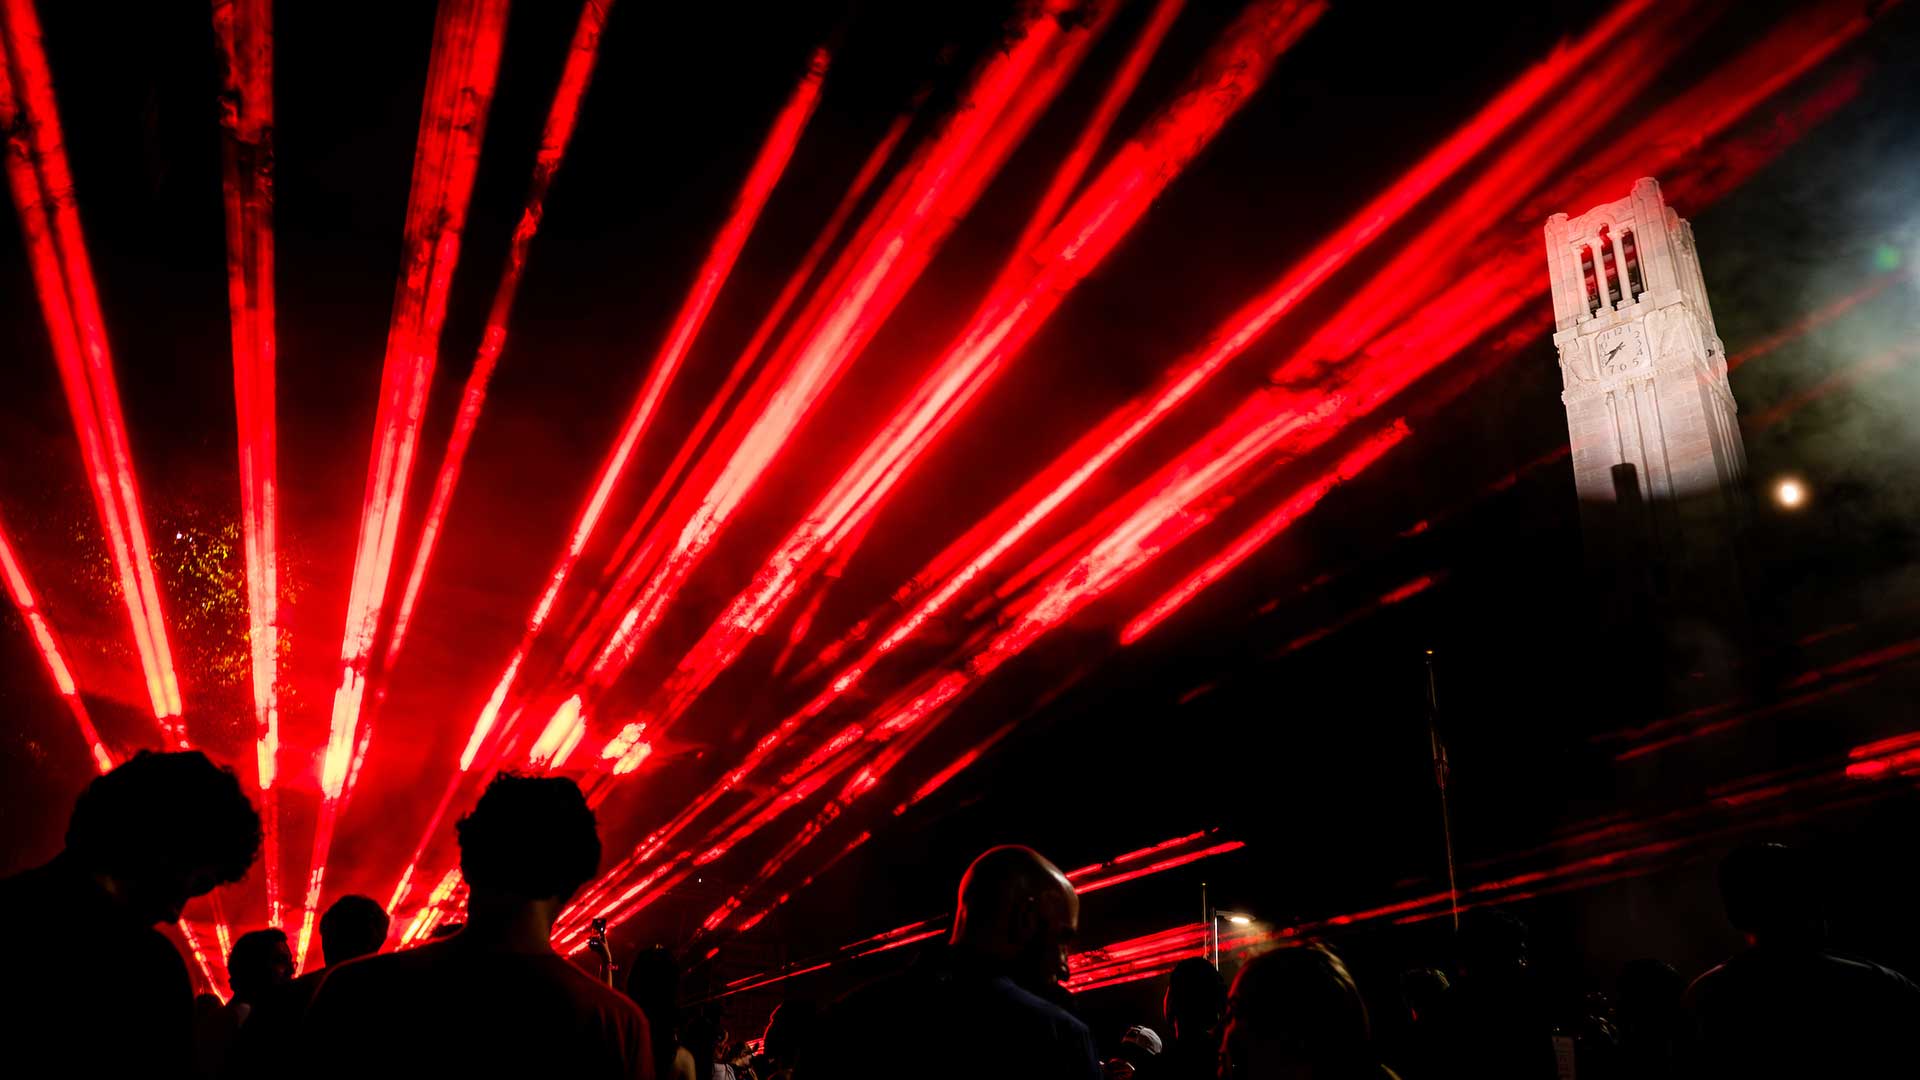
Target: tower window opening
1612,290
1635,281
1592,280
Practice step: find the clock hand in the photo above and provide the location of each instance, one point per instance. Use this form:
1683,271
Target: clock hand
1615,349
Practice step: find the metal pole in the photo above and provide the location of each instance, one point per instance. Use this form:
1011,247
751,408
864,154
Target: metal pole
1210,943
1440,781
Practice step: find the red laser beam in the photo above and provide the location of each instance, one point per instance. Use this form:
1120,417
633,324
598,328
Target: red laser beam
1875,363
1084,879
1811,321
1254,538
768,167
1289,24
886,258
20,588
721,258
42,183
1057,483
1401,350
1404,356
622,590
468,36
244,29
562,116
1245,441
1028,291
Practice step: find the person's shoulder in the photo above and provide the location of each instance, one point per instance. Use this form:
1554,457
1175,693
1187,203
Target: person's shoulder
365,974
596,994
1705,985
1863,972
1033,1004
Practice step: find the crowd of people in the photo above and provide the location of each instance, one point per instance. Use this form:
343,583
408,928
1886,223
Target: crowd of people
94,989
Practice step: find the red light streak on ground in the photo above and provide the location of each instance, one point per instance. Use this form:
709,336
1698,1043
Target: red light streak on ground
1263,531
20,588
468,36
1027,292
562,115
1811,321
920,210
245,32
43,192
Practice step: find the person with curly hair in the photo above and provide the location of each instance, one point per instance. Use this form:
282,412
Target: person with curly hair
92,988
493,999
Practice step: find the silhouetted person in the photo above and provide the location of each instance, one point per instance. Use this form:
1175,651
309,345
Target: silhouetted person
1420,1049
979,1007
708,1042
259,966
789,1031
1500,1028
354,926
494,999
1295,1014
653,982
1785,1005
1195,1001
87,979
1139,1045
1647,1013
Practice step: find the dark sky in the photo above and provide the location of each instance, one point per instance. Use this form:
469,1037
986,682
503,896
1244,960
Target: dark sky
1316,758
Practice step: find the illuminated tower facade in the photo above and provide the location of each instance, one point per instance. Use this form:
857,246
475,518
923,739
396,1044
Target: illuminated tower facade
1656,443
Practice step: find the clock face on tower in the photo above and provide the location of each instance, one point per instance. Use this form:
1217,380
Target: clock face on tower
1620,349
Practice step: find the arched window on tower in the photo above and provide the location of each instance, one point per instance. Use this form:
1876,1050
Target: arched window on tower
1588,272
1611,289
1635,281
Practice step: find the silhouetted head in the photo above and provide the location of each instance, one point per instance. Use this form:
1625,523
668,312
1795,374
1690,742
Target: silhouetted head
353,927
1296,1013
1019,910
705,1039
653,982
1493,945
1196,999
1649,991
163,829
1770,894
1423,991
789,1030
259,962
529,838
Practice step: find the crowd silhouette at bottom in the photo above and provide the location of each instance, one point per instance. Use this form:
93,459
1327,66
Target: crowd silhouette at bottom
92,988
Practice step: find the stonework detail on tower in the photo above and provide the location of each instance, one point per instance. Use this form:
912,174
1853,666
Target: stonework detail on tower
1644,372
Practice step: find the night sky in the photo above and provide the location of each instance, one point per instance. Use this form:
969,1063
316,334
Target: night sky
1314,752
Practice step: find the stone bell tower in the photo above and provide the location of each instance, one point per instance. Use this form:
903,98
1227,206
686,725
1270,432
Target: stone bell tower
1657,456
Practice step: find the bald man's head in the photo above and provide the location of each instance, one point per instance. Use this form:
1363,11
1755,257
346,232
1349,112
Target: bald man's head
1019,910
